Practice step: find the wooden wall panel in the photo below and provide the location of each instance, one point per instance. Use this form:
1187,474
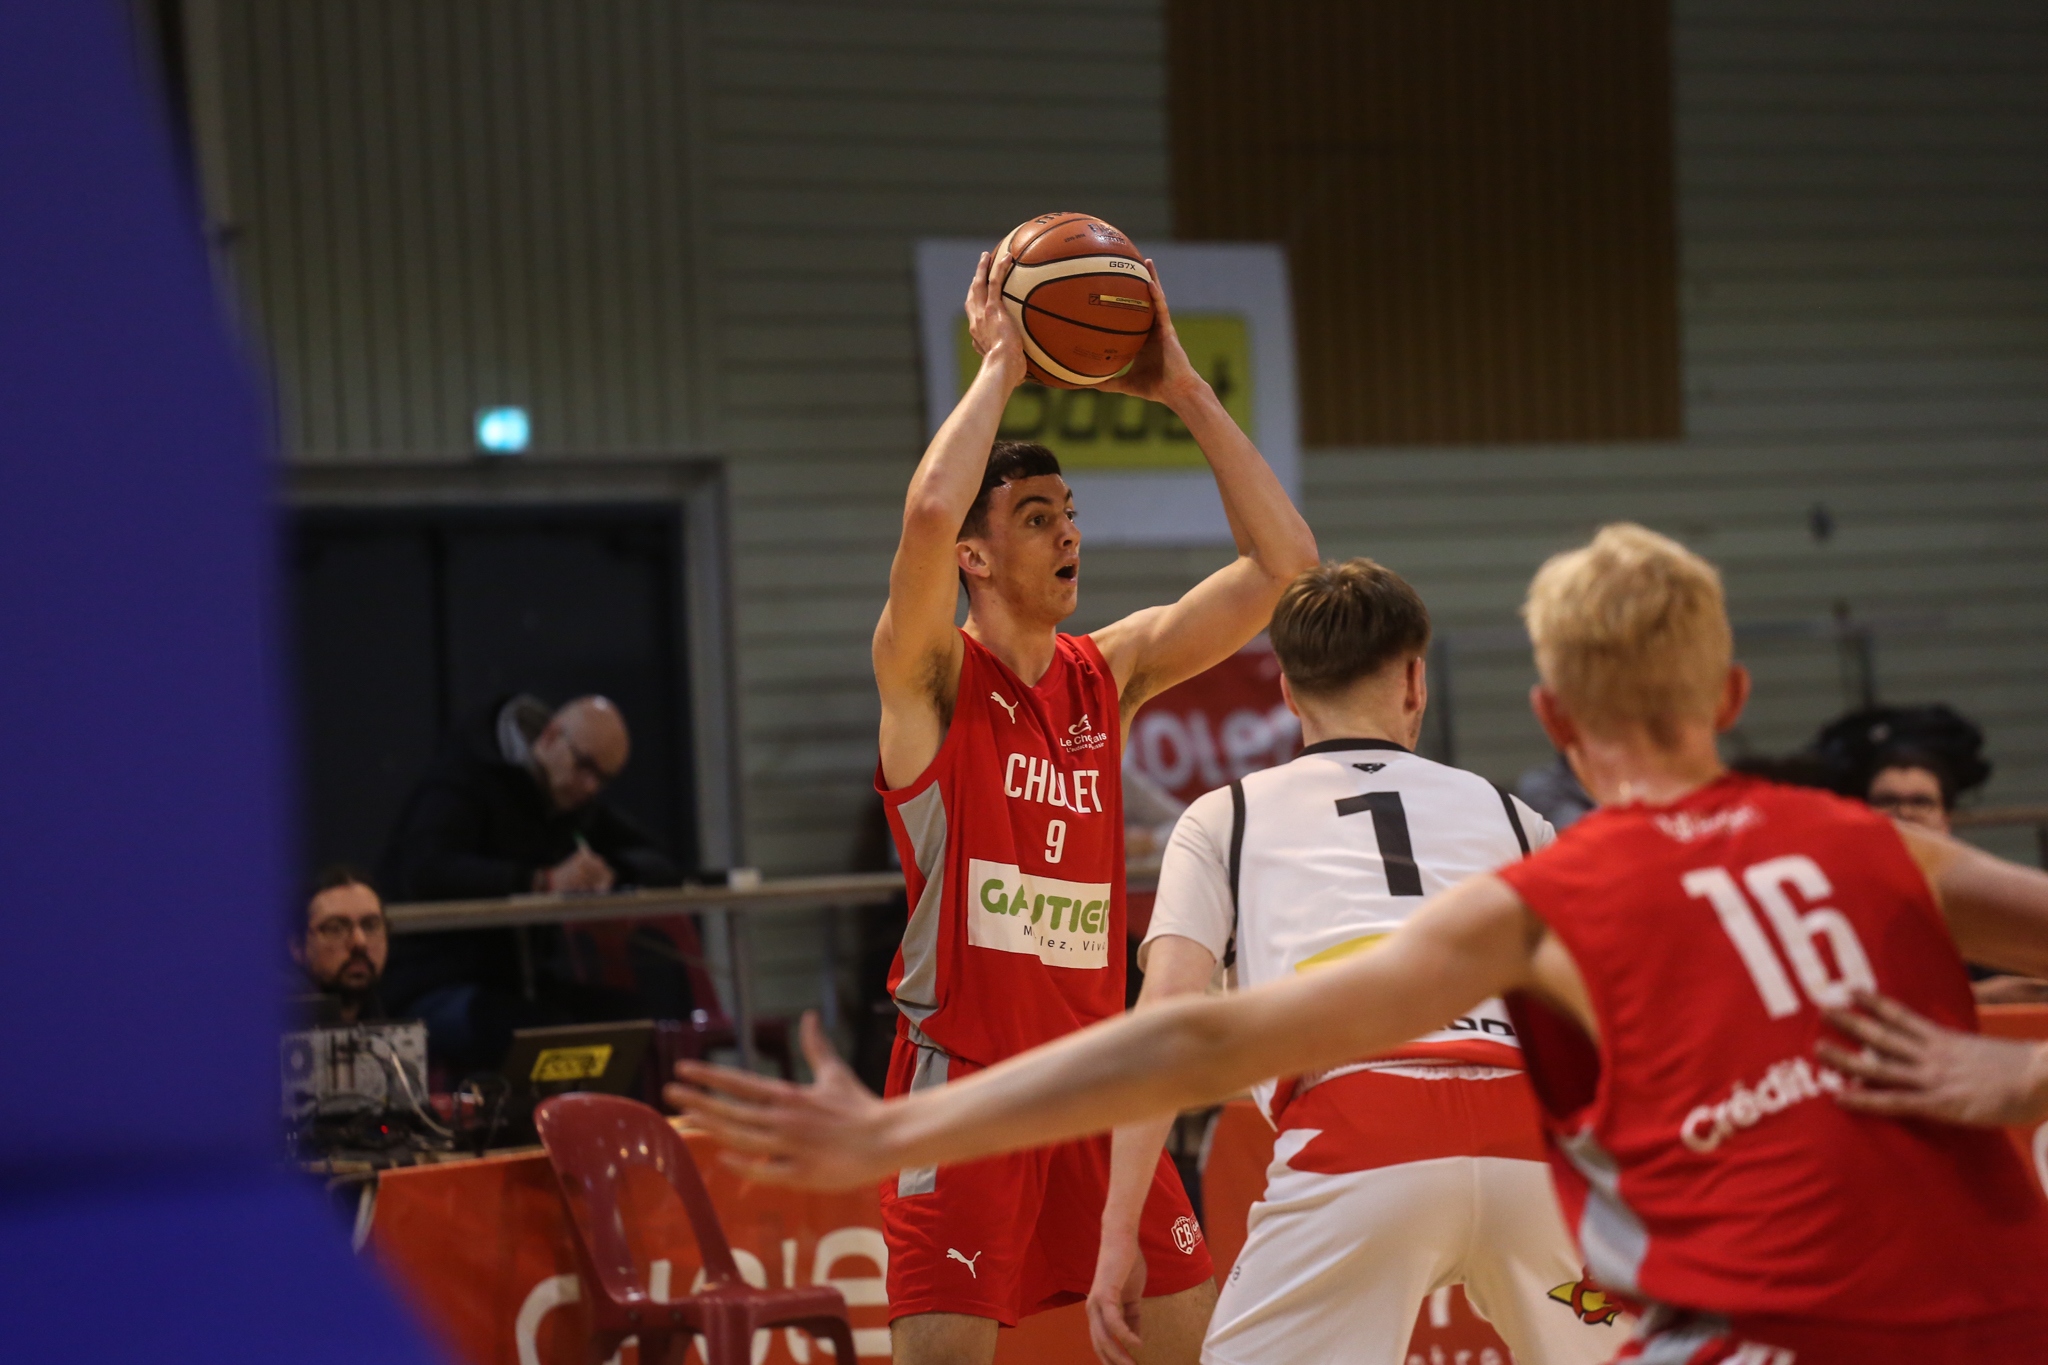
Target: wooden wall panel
1476,199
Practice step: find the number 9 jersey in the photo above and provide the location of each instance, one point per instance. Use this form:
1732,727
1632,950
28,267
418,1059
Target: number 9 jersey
1012,843
1697,1148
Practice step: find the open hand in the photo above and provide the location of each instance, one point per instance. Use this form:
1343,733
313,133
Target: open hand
828,1135
1911,1067
1162,372
989,325
1115,1298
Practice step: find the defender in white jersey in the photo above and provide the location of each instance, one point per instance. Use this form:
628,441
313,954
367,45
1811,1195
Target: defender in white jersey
1398,1174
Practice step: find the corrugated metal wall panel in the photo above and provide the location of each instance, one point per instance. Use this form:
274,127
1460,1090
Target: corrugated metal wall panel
436,208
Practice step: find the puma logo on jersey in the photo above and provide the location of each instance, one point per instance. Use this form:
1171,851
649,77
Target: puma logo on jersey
953,1255
1009,706
1368,767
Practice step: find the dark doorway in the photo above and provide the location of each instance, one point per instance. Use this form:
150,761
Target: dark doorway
405,619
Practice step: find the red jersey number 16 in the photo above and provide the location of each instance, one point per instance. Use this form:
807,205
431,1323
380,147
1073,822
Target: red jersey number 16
1800,933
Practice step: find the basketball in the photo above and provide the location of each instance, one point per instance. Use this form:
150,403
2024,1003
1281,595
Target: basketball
1082,296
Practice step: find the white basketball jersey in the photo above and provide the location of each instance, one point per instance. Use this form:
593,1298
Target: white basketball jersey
1320,858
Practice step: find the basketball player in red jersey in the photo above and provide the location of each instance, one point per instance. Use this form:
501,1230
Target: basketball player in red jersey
1679,963
1001,749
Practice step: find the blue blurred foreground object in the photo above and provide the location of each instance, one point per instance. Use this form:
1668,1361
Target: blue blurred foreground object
144,840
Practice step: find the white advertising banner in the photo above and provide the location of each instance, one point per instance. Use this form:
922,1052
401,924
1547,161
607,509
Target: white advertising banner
1137,475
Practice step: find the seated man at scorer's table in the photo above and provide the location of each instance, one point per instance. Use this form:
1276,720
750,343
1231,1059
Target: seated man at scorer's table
513,805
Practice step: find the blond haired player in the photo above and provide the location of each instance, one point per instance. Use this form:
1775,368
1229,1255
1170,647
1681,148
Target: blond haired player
1676,963
1392,1176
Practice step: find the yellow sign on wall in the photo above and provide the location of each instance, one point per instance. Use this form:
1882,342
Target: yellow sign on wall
1089,429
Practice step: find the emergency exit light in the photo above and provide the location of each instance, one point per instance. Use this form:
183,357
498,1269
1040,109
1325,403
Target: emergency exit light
502,431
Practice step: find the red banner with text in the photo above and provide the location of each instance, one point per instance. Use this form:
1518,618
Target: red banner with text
1216,726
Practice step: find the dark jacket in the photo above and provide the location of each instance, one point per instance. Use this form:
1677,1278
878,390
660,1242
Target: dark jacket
478,826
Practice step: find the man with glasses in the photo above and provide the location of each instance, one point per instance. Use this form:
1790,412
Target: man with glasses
1913,786
341,948
513,805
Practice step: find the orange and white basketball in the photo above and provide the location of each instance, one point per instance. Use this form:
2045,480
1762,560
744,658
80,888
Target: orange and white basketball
1082,296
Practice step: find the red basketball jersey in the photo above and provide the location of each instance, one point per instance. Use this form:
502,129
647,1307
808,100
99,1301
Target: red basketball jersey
1012,844
1699,1153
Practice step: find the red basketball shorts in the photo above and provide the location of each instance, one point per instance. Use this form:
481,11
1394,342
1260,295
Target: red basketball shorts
1015,1235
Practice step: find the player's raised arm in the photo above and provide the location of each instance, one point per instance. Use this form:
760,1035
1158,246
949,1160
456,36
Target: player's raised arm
1474,941
1151,650
916,648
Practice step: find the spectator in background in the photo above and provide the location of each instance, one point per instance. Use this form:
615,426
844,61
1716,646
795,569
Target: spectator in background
1913,762
1912,785
1943,748
512,805
341,947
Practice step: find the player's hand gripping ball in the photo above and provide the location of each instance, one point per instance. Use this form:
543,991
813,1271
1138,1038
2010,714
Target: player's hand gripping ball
1080,294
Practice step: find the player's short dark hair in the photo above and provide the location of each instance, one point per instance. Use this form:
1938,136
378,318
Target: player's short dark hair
1007,460
1339,623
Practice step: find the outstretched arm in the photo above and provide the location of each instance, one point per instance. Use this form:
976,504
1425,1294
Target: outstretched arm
1151,650
916,649
1474,941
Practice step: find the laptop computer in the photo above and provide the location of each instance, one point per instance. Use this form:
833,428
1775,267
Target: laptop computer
604,1058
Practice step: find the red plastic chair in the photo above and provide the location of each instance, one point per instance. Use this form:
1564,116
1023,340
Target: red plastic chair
591,1141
